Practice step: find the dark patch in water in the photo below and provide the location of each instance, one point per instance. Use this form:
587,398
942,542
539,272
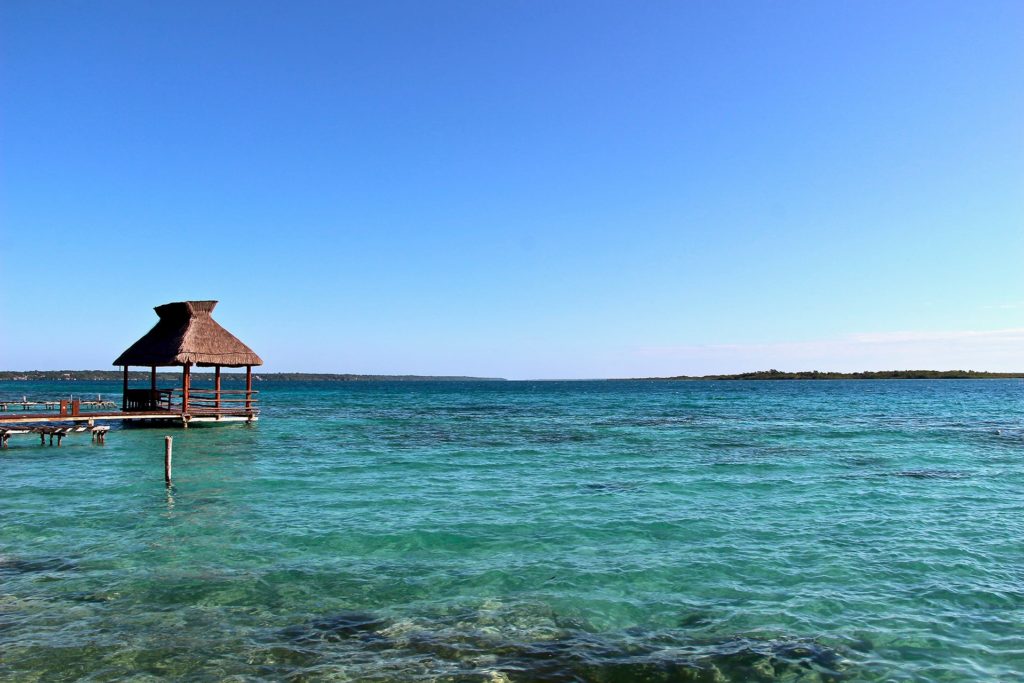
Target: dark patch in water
610,488
288,658
479,656
341,626
647,422
21,565
695,619
590,659
728,444
562,437
865,462
91,597
932,474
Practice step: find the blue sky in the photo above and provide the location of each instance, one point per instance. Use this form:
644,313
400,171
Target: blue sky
526,190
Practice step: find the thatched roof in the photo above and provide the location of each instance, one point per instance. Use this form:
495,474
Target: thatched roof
184,334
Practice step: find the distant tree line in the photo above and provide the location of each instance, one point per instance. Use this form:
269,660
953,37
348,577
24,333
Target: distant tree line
202,375
206,374
880,374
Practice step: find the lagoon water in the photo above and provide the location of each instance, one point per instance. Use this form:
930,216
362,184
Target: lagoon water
529,531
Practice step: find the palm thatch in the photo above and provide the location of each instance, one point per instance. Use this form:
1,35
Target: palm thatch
186,334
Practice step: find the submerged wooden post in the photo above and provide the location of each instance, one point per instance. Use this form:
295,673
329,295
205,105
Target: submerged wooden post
168,446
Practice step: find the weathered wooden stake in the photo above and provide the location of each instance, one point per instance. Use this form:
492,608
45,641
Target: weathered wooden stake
168,441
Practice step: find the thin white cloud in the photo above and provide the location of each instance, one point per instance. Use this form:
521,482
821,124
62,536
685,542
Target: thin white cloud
1007,306
1011,334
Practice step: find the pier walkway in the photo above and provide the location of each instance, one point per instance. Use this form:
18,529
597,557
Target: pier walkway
26,404
75,421
98,433
195,414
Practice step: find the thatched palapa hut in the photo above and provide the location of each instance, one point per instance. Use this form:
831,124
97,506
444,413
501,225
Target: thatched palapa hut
185,336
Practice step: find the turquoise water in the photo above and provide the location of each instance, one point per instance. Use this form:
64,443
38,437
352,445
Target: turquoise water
552,531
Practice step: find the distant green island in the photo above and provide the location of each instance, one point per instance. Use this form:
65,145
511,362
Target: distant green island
200,375
881,374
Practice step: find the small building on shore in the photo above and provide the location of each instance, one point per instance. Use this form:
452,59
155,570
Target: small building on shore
187,336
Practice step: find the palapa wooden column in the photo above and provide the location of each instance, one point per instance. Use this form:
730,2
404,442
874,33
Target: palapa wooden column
216,387
124,390
248,387
186,383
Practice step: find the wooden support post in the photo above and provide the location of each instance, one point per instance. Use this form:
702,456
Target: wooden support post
216,387
168,446
186,382
124,391
248,387
63,406
76,407
42,439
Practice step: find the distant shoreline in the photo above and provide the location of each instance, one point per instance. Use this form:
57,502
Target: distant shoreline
774,375
818,375
175,375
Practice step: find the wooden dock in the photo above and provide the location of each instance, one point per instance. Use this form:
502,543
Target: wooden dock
26,404
194,415
60,425
98,433
39,418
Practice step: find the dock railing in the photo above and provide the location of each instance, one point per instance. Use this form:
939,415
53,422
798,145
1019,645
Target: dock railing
216,402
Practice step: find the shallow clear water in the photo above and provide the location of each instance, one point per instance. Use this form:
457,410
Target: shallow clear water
549,531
